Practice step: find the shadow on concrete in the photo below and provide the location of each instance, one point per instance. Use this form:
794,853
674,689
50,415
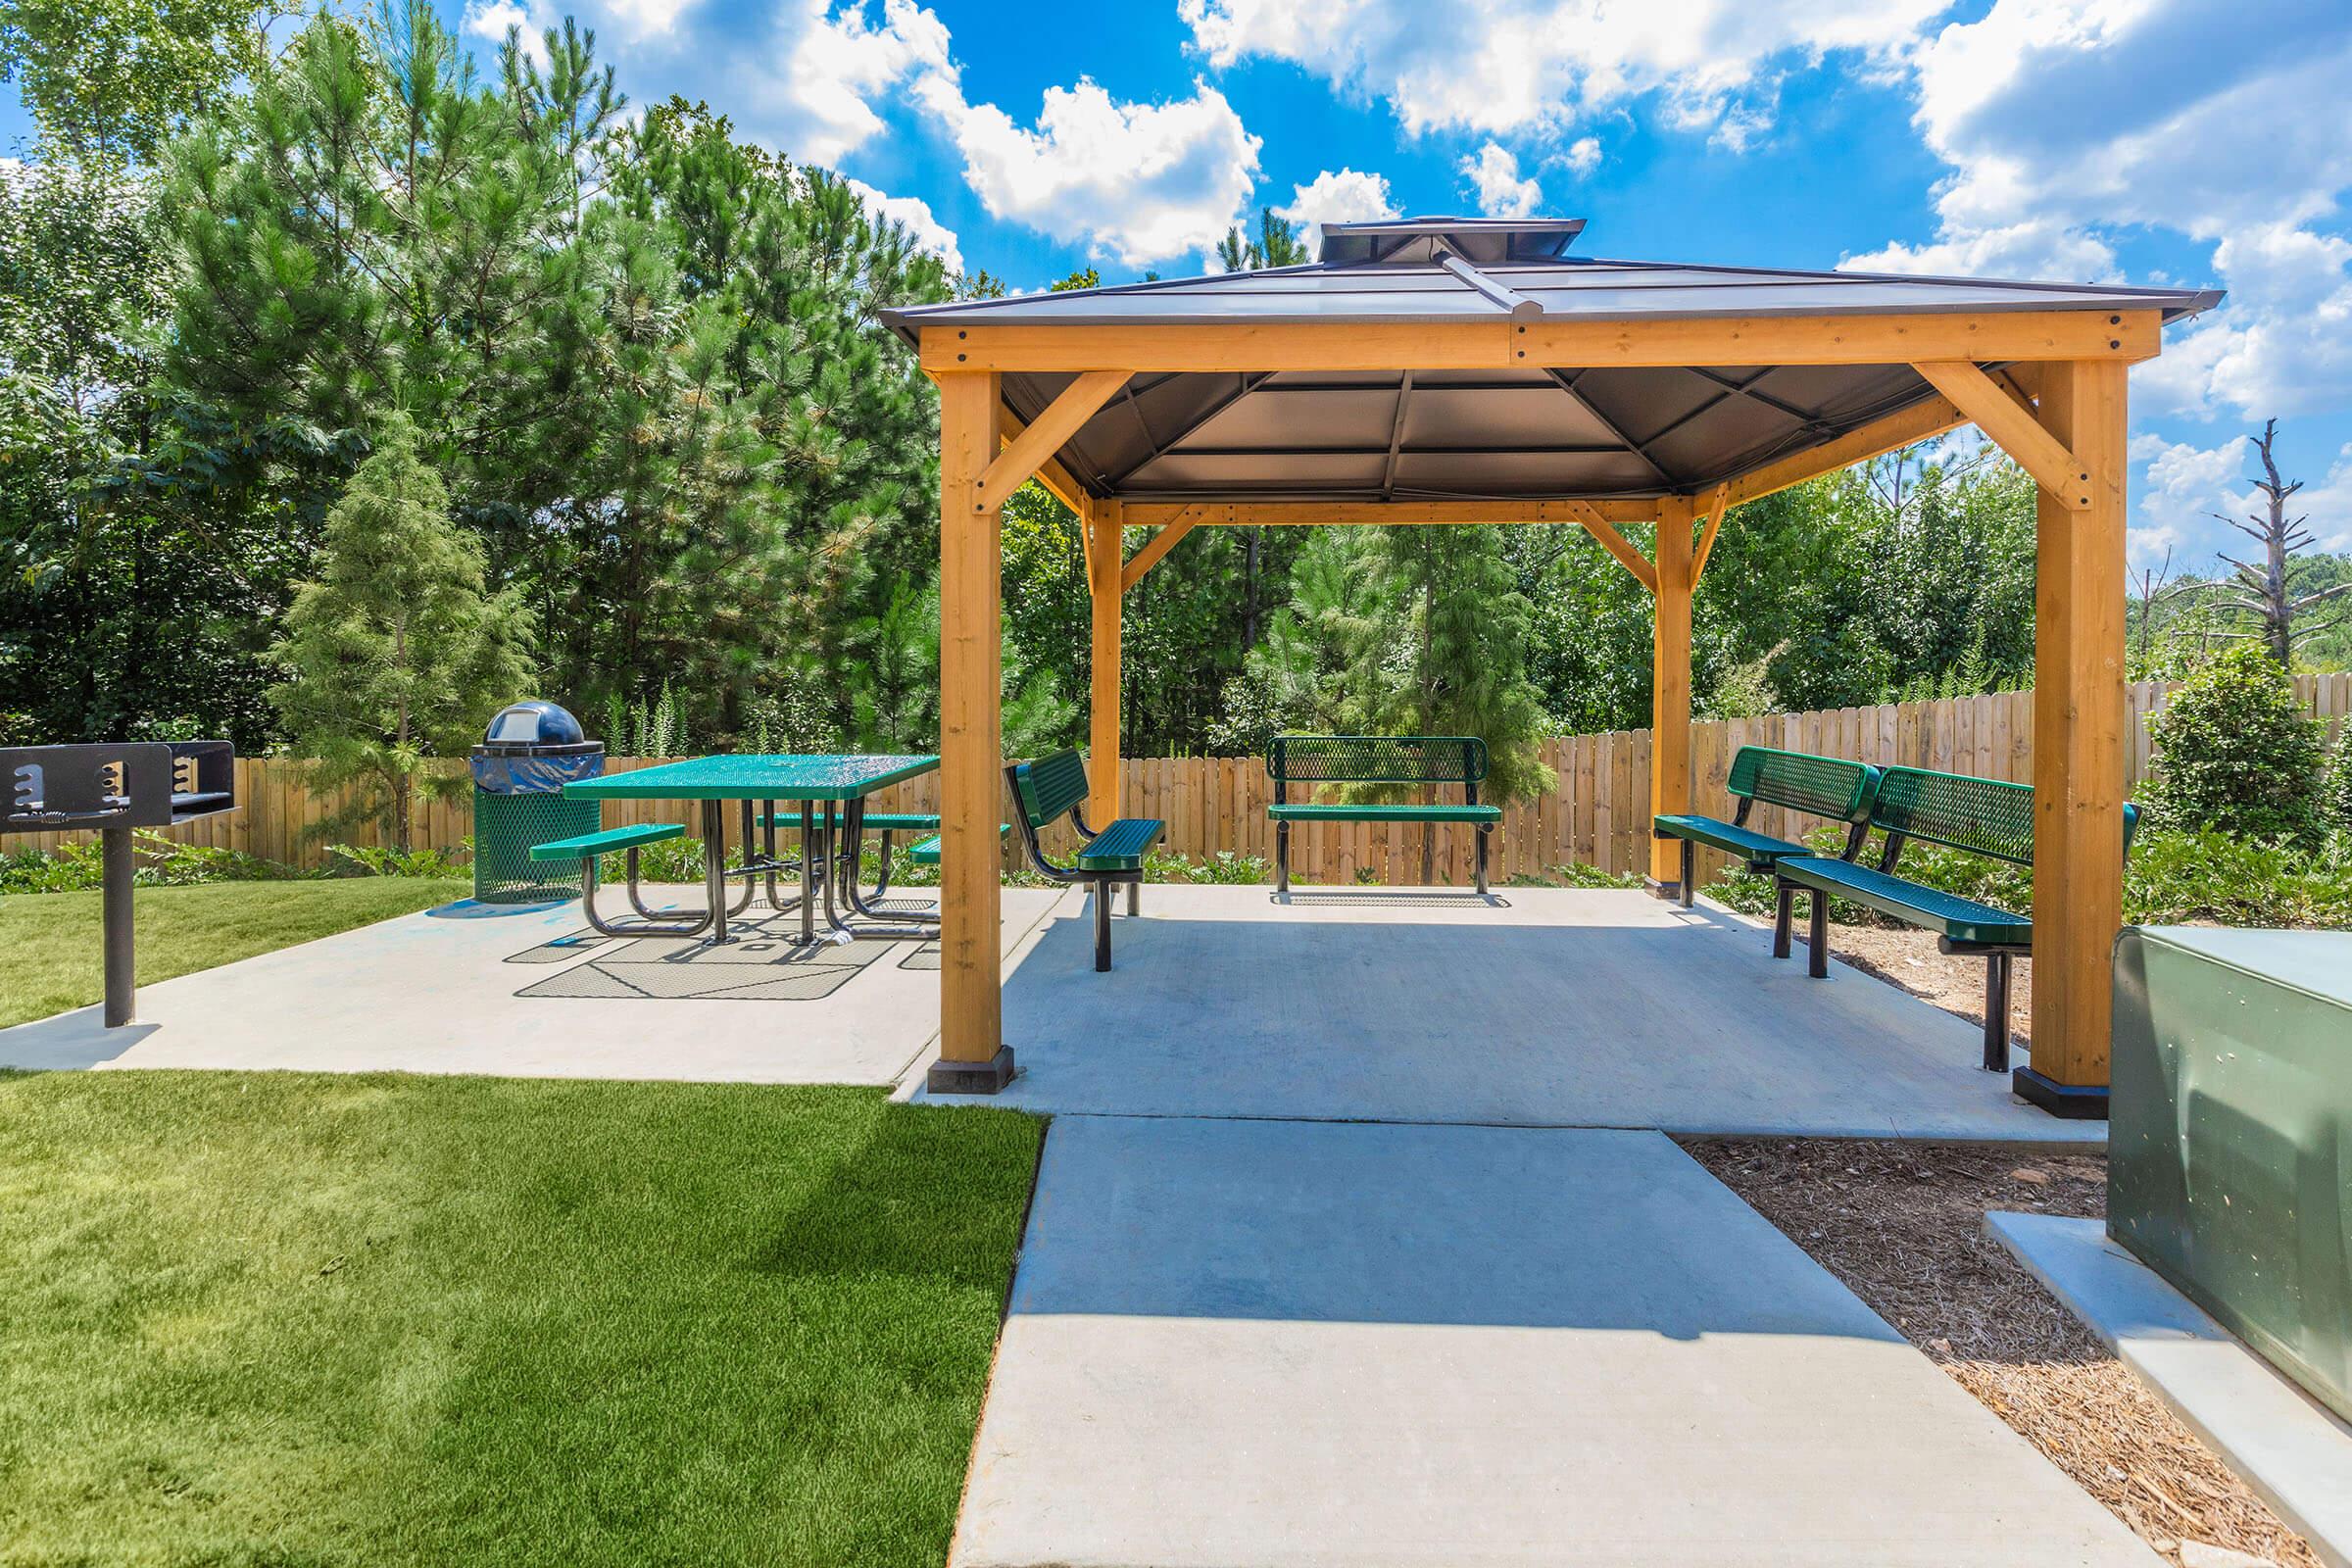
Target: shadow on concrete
71,1042
1567,1007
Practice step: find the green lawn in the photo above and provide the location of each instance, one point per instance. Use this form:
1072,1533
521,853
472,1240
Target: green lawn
50,958
273,1320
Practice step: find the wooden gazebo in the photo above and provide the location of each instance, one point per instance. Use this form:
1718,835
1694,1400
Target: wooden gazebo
1467,370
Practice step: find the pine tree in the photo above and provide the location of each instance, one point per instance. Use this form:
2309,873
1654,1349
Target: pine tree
396,652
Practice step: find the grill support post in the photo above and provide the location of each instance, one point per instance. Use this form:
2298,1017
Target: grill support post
122,970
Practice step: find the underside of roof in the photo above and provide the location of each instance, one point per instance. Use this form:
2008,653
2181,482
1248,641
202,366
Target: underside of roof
1518,434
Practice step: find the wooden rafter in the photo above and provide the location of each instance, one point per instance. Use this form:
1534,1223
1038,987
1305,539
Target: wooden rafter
1922,421
1991,408
1027,452
1159,545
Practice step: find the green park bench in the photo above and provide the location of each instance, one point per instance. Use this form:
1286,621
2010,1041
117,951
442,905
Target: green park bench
1818,786
1983,816
1055,786
1397,759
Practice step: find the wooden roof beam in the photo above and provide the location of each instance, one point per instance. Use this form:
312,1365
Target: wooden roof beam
1497,342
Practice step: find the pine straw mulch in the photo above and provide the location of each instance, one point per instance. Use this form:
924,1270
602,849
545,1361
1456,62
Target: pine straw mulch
1903,1225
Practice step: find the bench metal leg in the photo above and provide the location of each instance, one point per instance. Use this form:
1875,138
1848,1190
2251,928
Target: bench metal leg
1690,870
1996,1012
658,925
1786,920
1101,893
1282,857
1816,939
1135,898
1484,832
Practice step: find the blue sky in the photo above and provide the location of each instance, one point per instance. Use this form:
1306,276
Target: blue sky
2189,141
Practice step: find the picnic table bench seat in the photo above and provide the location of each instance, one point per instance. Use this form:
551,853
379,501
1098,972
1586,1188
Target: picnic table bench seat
925,852
1055,786
1379,760
1818,786
1986,816
588,846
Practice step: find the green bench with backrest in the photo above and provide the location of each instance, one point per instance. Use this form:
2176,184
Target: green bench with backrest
1055,786
1797,781
1984,816
1388,761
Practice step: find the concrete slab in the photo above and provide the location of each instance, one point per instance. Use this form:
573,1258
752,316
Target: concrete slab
2288,1449
1259,1345
488,995
1538,1007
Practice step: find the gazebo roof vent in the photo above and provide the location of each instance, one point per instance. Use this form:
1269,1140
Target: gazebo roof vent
1421,241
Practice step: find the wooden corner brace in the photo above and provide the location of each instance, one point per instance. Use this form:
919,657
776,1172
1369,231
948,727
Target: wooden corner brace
2013,427
1616,544
1029,450
1157,546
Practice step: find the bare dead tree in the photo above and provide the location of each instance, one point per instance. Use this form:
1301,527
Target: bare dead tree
2265,590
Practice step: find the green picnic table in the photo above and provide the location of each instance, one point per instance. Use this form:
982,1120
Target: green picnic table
838,783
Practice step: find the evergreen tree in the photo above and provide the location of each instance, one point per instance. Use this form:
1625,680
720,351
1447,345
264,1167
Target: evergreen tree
396,652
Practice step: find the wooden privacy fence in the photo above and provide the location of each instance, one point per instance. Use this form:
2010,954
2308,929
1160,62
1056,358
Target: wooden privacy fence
1598,816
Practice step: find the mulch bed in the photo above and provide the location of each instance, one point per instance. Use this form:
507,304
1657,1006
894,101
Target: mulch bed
1902,1225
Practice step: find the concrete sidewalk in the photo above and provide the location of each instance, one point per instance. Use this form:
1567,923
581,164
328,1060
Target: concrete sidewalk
1258,1344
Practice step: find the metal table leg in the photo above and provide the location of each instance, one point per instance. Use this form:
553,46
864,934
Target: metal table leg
856,832
813,855
714,868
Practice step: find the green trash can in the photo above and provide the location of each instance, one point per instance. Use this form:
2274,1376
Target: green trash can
2230,1135
530,752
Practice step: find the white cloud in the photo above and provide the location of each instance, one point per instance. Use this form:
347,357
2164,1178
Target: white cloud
914,215
2064,119
1494,172
1139,183
2182,486
1501,65
1337,196
2042,251
811,85
2281,345
490,22
1583,156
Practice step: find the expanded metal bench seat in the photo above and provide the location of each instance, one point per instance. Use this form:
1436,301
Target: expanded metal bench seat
1384,762
1986,816
925,852
1818,786
1055,786
588,847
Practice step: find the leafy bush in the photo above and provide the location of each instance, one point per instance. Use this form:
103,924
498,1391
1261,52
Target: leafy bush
368,859
79,868
2235,751
2335,795
1577,874
1224,868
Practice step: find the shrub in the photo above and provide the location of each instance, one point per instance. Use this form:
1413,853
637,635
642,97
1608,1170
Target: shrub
2337,793
357,860
2235,753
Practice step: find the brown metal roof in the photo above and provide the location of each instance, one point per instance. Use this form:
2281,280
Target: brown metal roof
1482,434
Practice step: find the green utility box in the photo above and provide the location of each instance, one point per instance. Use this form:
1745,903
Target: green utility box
2230,1134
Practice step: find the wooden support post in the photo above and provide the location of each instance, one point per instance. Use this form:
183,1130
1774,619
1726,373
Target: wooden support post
1670,688
972,1055
2080,745
1103,570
